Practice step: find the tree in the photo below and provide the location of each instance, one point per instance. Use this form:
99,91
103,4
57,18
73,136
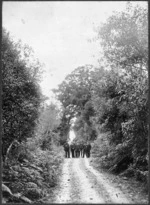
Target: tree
120,96
46,132
74,93
124,38
21,93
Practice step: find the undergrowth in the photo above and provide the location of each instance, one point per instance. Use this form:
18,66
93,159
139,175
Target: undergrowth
31,178
117,160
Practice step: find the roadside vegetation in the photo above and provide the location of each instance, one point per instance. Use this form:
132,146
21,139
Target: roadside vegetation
30,158
110,104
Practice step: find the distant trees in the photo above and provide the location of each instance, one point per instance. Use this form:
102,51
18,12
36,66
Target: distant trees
46,131
74,94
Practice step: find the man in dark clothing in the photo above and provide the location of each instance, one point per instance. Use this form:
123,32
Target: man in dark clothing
88,150
81,149
67,150
77,150
84,150
72,146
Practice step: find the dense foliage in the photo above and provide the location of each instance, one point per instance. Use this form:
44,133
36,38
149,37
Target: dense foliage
125,94
30,140
20,93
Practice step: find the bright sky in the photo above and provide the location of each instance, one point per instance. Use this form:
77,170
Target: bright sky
58,32
71,136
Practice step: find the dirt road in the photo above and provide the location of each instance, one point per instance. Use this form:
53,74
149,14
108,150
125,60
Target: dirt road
81,183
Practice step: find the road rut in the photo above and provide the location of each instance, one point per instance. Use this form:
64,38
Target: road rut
81,183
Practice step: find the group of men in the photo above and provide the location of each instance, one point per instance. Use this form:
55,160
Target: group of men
77,150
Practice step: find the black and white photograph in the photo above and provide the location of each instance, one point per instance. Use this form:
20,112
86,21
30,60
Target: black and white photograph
75,111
